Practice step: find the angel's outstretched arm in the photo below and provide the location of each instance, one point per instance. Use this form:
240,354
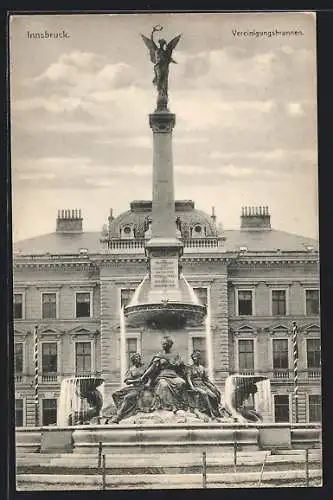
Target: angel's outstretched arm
158,27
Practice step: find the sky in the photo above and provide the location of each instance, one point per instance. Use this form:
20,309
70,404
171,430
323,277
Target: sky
245,106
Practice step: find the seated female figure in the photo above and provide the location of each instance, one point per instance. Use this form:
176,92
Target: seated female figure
207,397
126,399
166,371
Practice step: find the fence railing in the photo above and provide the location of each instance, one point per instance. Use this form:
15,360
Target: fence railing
205,465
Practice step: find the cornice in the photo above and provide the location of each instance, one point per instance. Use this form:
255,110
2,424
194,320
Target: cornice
230,259
272,281
205,258
91,335
270,261
60,265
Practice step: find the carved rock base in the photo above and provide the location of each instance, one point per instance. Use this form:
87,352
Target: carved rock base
169,417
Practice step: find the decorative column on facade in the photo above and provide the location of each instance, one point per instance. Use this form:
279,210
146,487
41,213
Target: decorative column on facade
220,337
109,333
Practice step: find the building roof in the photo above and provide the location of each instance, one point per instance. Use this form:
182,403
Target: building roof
140,210
268,240
60,243
252,241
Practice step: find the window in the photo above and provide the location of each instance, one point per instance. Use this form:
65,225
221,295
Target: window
19,412
245,303
281,407
197,231
126,296
245,355
83,358
49,357
314,408
199,344
201,293
127,230
49,305
280,354
18,357
313,353
18,306
131,348
49,411
279,303
312,302
83,304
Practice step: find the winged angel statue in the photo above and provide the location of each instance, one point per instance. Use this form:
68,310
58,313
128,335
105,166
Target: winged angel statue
160,56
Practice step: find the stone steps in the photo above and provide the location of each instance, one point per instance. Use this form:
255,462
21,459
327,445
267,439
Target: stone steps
165,481
163,463
287,455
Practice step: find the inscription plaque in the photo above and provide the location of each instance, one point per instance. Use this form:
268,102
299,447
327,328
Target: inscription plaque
164,272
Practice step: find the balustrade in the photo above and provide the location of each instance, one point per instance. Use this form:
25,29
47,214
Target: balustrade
49,378
133,245
281,373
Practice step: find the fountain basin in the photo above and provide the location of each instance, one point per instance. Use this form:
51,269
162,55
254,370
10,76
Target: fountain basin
80,400
131,438
166,315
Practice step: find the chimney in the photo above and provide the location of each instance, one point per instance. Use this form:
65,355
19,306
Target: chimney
213,216
69,221
255,219
111,217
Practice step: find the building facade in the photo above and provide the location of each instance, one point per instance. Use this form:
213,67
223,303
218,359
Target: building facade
255,281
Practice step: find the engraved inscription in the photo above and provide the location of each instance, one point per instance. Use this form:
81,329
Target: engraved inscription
164,273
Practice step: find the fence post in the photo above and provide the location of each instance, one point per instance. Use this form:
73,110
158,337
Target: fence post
99,462
103,471
307,467
262,468
204,470
235,455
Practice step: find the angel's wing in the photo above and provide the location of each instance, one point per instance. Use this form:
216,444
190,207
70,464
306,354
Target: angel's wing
172,44
151,47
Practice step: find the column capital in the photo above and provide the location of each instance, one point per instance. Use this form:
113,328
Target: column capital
162,122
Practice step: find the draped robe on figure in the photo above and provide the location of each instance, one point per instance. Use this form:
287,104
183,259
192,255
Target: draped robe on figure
126,399
168,381
200,380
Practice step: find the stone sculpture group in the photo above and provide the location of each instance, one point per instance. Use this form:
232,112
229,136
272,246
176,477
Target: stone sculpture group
167,384
165,389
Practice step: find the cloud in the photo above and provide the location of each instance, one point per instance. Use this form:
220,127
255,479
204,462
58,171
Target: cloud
229,91
270,155
62,172
134,142
229,171
70,67
52,104
74,78
236,70
295,109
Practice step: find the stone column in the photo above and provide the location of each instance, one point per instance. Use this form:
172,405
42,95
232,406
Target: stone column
164,248
163,206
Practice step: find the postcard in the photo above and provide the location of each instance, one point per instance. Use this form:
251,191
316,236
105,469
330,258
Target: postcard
165,250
